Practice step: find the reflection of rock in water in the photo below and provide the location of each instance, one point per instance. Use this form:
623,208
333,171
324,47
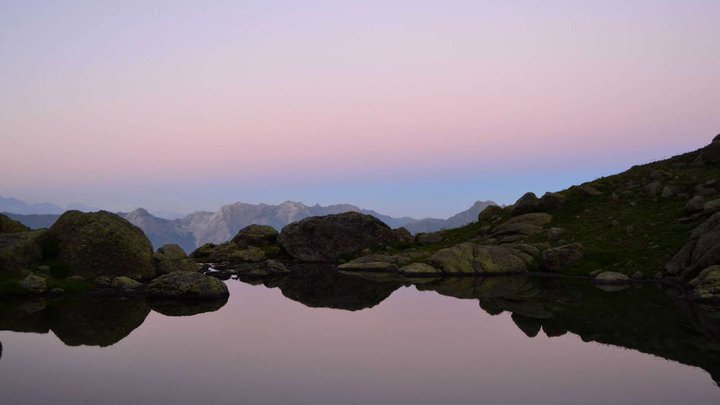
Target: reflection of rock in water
646,319
96,321
23,315
186,307
315,286
78,320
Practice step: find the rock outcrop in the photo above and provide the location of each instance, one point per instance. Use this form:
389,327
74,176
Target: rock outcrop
101,244
700,252
327,238
472,258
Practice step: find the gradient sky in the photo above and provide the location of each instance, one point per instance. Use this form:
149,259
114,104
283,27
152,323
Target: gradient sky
407,107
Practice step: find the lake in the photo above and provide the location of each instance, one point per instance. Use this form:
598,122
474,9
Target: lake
369,339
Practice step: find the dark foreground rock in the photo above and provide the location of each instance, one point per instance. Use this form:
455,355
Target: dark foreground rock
186,285
100,244
327,238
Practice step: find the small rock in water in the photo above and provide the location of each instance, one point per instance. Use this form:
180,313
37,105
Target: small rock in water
637,275
34,284
611,277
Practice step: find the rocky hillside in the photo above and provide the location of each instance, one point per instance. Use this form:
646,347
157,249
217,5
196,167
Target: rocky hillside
658,221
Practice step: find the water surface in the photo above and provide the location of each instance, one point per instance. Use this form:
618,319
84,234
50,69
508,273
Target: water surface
359,340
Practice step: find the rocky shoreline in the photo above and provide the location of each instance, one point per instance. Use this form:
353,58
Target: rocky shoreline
658,222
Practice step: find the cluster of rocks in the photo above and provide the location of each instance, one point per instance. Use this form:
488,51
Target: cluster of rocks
104,250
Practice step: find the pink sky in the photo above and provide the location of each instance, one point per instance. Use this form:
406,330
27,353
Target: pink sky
135,104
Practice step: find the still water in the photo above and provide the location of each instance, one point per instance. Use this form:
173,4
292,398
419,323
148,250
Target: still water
372,340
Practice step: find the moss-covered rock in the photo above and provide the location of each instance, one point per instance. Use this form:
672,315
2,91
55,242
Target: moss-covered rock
170,258
471,258
126,283
186,285
20,250
100,244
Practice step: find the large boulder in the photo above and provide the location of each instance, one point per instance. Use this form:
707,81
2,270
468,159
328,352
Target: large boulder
471,258
256,235
186,286
561,257
700,252
8,225
327,238
101,244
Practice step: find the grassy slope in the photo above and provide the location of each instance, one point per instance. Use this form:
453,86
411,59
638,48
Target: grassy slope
624,229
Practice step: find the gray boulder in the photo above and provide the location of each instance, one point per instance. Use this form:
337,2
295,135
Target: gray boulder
327,238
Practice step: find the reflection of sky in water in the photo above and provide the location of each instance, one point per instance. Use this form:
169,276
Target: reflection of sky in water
415,348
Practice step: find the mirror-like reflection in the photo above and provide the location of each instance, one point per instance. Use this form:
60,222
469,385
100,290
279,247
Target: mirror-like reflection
645,318
92,320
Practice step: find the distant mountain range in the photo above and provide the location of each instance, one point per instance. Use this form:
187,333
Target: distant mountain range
203,227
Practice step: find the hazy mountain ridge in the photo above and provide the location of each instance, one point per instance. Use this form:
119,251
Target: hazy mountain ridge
202,227
455,221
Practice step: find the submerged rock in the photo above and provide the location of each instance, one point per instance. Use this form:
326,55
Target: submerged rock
186,285
101,244
327,238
